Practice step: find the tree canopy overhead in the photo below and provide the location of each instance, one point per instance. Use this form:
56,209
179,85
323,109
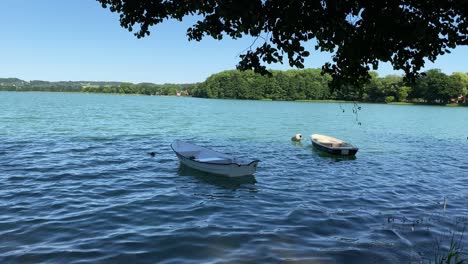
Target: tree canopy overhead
359,33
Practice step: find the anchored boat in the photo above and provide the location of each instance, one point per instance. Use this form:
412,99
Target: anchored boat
333,145
207,160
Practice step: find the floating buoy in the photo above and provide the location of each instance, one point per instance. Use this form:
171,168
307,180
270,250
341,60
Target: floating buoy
297,137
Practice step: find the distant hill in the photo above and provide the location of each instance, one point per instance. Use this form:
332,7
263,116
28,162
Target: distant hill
19,82
15,84
11,81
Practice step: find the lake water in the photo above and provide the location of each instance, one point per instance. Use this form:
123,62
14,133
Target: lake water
77,184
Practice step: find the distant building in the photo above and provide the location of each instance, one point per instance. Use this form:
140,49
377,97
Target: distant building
182,93
462,99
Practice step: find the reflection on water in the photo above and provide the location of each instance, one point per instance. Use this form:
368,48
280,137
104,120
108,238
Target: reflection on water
218,180
297,144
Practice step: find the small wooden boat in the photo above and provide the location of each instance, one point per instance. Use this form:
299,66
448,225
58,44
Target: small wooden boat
333,145
207,160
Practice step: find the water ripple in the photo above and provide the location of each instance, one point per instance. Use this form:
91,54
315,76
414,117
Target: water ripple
85,189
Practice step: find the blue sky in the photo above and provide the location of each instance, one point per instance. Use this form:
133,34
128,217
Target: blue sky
79,40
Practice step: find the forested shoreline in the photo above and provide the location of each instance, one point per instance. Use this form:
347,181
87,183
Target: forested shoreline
15,84
309,84
432,87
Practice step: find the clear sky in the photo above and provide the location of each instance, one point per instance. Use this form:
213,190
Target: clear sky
79,40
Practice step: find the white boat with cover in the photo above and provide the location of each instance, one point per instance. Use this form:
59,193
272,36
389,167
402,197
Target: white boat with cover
333,145
207,160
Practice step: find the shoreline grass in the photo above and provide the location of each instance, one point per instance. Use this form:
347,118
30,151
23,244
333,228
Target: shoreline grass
429,104
325,101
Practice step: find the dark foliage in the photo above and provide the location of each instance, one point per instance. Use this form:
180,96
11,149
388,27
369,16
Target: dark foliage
360,33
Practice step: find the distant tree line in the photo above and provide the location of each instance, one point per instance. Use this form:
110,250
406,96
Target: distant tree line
14,84
282,85
141,88
433,86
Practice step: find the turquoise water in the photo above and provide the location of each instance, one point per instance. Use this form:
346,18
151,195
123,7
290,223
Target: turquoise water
77,184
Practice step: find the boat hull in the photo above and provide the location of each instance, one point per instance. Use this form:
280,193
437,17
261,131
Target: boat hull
230,170
336,151
333,145
210,161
